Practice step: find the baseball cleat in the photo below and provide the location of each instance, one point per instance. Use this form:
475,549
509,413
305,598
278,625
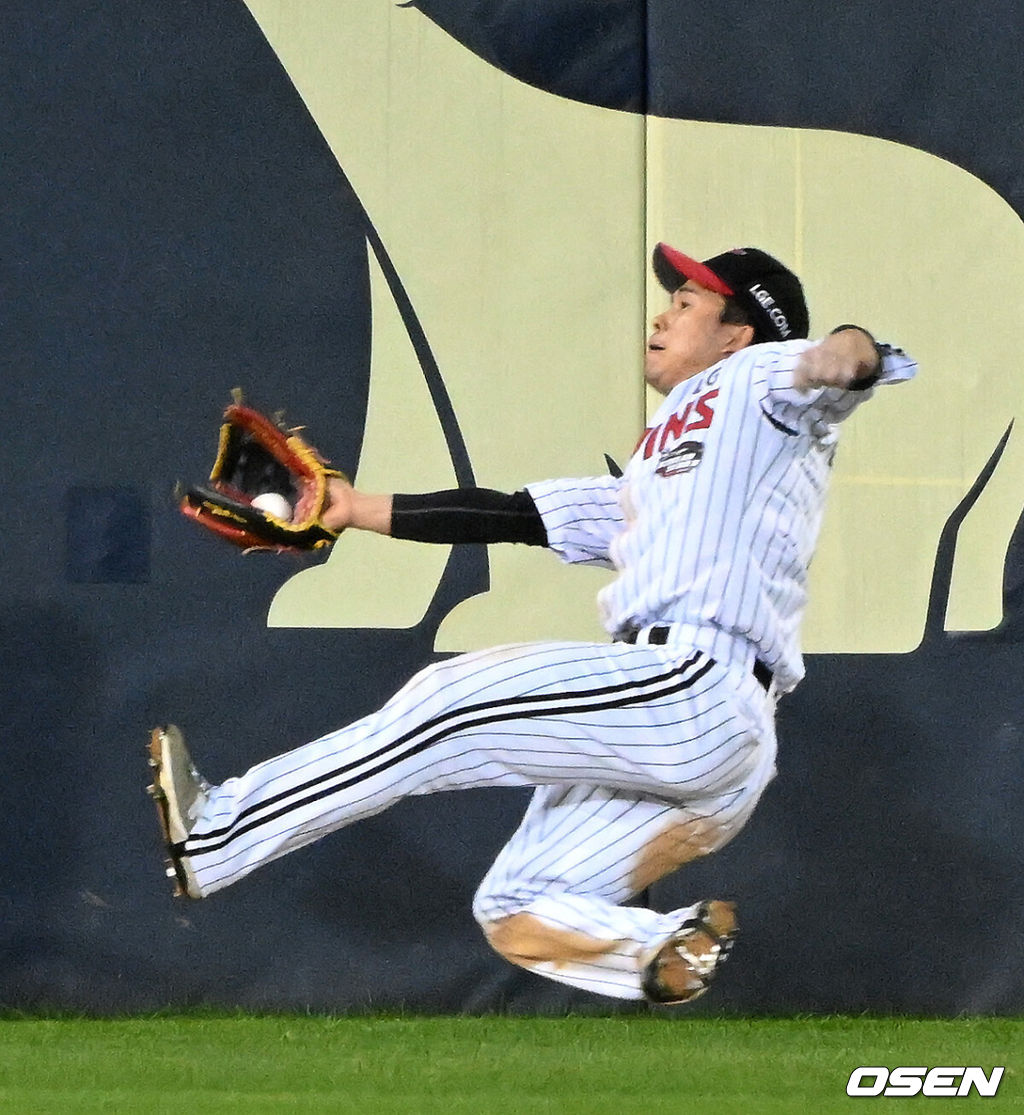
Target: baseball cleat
680,970
179,793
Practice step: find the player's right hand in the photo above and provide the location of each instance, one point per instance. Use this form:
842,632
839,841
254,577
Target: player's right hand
340,494
351,508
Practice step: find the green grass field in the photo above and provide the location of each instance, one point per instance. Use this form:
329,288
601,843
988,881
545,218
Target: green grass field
193,1064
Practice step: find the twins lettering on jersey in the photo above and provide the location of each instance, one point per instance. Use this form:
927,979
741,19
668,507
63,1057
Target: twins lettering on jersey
676,455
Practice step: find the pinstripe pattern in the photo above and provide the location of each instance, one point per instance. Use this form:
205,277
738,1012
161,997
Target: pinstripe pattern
643,756
570,865
575,716
623,740
722,547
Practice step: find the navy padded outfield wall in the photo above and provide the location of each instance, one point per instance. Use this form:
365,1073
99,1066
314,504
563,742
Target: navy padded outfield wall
172,223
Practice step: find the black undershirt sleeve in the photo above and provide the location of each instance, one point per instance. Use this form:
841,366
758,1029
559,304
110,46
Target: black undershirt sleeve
468,515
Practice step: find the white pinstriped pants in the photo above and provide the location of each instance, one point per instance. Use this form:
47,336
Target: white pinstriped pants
644,757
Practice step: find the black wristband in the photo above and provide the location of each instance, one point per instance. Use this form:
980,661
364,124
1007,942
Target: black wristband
862,383
468,515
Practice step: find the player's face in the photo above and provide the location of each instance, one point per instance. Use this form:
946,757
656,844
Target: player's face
690,336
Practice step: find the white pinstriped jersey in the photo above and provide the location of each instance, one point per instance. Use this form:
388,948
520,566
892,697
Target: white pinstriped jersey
644,756
714,522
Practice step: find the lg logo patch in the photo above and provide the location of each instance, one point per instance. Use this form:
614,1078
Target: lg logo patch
927,1082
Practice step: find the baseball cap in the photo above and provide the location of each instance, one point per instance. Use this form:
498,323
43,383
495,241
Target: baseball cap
758,281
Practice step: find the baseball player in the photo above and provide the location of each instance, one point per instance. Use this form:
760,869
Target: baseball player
646,751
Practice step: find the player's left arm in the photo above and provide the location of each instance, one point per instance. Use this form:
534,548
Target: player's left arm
848,358
825,381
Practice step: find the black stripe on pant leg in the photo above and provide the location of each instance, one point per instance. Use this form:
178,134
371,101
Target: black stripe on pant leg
466,710
427,725
232,831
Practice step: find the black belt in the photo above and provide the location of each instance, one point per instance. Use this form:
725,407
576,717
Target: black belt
658,636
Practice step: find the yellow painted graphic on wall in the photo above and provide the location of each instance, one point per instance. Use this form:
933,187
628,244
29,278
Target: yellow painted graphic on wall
521,225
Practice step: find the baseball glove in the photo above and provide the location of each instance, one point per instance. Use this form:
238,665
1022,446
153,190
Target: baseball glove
267,488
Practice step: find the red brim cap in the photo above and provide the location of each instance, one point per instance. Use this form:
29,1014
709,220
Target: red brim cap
672,267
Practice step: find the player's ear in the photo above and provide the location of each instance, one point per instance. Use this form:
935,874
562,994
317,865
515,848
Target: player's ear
738,336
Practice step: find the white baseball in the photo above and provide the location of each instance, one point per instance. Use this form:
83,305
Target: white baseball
274,504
